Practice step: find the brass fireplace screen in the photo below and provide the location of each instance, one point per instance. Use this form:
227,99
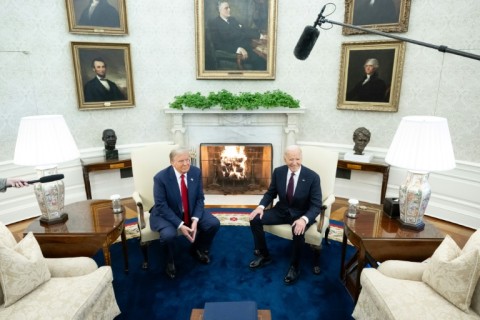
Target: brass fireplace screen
229,168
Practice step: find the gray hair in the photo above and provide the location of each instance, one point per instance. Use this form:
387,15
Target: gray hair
373,62
292,147
219,3
178,151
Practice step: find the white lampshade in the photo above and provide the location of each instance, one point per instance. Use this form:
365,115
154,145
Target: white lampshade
44,140
422,144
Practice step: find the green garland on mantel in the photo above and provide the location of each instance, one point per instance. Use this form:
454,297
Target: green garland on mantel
229,101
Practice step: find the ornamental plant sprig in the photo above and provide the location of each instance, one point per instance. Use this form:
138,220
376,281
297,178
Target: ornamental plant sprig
229,101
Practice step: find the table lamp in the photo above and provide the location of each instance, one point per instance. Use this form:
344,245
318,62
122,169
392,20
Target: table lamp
422,144
43,142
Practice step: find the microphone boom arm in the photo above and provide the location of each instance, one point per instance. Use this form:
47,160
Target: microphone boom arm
321,19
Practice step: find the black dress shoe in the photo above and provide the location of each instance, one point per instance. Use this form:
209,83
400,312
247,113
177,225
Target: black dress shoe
292,275
170,270
260,261
200,255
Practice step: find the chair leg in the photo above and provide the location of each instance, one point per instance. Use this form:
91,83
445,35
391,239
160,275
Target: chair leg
316,260
327,231
144,248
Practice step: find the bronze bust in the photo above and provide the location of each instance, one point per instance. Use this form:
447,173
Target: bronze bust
110,139
361,137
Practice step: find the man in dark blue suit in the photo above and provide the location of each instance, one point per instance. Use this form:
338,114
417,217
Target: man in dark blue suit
299,203
173,212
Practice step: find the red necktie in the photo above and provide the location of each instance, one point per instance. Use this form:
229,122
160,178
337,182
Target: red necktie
184,191
290,188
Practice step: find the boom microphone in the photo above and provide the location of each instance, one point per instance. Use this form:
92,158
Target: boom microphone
306,42
308,38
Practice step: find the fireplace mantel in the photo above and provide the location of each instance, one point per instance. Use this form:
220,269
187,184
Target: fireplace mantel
278,126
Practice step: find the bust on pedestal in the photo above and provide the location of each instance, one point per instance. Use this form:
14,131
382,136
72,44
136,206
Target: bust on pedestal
110,139
361,137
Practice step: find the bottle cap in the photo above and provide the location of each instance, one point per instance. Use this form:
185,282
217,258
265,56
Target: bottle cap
353,201
114,197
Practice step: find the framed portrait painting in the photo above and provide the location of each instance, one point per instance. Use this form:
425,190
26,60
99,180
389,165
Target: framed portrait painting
371,75
235,39
103,75
381,15
107,17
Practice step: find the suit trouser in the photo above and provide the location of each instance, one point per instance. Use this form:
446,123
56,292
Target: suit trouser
274,217
207,227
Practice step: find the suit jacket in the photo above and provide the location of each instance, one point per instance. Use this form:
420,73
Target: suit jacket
104,15
95,91
168,200
229,36
307,198
373,91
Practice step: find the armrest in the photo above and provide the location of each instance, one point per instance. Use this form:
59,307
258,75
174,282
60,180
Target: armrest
70,267
138,201
325,212
321,219
404,270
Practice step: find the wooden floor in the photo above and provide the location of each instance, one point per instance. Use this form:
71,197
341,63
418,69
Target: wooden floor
459,233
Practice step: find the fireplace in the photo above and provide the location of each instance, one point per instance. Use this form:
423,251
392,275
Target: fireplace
234,168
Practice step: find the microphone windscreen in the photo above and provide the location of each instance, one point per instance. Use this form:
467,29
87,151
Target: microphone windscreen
306,42
50,178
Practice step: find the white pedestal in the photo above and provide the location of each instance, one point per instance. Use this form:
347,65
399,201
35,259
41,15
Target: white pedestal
366,157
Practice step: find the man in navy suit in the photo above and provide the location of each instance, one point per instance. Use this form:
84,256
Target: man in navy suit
172,212
299,203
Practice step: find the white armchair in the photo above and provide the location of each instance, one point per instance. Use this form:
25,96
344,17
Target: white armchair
324,163
146,162
443,287
34,287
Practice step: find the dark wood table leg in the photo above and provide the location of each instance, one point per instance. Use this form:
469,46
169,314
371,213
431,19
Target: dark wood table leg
106,254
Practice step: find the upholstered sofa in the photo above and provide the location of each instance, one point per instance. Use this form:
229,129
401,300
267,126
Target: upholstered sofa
443,287
34,287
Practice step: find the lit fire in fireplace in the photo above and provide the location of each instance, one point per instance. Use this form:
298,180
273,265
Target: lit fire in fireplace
233,162
235,168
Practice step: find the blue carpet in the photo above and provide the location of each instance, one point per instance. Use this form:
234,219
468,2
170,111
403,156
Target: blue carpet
151,295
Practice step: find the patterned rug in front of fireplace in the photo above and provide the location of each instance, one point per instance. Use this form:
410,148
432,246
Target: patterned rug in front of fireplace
234,217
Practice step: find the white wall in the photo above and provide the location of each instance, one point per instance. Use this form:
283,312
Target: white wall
37,77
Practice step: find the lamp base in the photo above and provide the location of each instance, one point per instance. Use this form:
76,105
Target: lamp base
419,226
45,221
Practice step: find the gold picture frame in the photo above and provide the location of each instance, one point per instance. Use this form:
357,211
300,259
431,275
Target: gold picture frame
380,15
89,60
108,17
381,92
219,44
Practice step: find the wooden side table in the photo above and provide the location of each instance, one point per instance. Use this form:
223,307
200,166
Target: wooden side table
378,238
100,164
382,168
91,226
